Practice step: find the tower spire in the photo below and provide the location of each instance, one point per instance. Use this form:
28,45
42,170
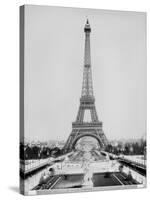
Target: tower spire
87,21
87,87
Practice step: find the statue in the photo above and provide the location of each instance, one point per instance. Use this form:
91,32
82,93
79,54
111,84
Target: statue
88,174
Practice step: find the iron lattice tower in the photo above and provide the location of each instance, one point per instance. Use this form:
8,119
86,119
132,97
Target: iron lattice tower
87,102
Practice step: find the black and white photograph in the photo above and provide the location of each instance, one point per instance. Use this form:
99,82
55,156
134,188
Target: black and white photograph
82,100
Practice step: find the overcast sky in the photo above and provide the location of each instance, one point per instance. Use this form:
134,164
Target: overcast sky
54,57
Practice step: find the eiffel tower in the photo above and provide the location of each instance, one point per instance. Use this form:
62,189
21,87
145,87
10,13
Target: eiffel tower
80,128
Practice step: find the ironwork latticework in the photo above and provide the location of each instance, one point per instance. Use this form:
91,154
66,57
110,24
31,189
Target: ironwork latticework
80,128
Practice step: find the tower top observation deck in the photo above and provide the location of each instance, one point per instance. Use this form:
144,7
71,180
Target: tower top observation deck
87,27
